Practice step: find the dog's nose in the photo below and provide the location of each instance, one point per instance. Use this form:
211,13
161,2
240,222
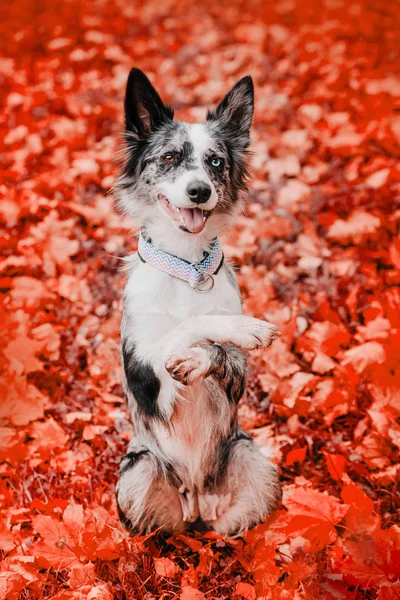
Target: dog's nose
199,192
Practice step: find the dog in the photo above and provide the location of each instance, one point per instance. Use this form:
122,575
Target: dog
183,333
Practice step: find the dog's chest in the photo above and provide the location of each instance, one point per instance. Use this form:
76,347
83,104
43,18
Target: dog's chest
190,439
151,291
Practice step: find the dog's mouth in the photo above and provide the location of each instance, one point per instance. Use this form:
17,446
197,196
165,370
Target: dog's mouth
192,220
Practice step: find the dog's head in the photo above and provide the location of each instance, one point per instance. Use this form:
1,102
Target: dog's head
176,174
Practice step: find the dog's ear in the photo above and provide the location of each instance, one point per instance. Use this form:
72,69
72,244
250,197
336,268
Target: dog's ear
144,109
235,111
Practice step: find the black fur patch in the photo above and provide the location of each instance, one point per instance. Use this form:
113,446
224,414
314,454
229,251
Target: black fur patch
142,382
141,151
214,478
236,384
231,122
144,109
131,459
172,475
124,520
229,368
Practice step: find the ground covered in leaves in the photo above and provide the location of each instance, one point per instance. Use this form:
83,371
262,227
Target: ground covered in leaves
318,254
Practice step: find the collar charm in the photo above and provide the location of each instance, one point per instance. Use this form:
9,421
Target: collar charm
198,275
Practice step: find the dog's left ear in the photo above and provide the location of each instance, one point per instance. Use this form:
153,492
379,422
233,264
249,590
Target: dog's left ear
235,111
144,109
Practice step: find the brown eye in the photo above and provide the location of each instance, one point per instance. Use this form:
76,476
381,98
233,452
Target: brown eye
169,158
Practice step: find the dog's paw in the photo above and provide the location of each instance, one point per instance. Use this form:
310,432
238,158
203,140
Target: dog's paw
189,504
190,367
213,506
255,333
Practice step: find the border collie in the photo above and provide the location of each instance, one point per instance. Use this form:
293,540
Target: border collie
183,332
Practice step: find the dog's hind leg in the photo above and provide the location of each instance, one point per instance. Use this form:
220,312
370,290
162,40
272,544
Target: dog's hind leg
146,499
245,489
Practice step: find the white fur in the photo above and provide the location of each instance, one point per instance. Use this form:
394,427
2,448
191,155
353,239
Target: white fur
176,191
164,322
165,317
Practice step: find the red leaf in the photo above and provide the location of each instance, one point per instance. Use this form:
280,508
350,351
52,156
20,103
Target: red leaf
336,464
82,575
56,547
359,227
373,560
314,504
297,455
190,593
100,592
246,590
165,567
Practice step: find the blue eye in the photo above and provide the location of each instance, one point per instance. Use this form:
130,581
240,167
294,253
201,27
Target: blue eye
216,162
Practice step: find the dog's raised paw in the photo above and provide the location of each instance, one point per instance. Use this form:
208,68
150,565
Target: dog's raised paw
190,367
255,333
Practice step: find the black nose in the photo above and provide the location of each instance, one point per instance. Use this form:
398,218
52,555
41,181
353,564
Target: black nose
198,192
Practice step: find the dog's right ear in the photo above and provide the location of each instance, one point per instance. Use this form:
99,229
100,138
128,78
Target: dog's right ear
144,109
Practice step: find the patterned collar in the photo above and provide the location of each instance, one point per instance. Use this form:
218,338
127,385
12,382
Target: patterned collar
198,275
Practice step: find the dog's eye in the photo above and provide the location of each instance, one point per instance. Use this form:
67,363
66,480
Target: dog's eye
216,162
169,158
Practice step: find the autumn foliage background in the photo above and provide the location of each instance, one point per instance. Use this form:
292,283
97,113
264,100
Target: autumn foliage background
318,253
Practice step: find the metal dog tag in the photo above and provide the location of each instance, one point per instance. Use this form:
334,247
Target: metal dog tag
205,283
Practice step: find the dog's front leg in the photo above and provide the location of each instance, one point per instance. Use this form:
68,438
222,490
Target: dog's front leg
209,345
226,363
154,347
244,332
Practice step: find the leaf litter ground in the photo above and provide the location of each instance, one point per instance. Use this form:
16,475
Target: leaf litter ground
317,251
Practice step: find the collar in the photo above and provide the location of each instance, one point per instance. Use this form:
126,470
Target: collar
198,275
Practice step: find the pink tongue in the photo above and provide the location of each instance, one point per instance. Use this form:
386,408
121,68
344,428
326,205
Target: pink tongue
193,219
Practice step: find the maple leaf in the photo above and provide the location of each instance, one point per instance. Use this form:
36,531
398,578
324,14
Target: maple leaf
359,227
46,437
296,455
100,592
389,591
317,252
313,515
165,567
65,462
293,196
373,559
56,548
73,519
76,290
11,584
21,353
322,337
51,236
190,593
336,464
8,539
360,518
21,402
374,451
101,536
364,355
245,590
50,339
28,291
82,575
